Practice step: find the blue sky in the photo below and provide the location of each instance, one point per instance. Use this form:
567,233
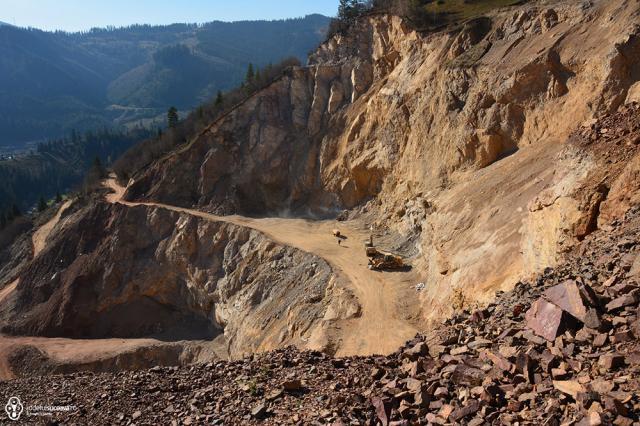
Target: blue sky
74,15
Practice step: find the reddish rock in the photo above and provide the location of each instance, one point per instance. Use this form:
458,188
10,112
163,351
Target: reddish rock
622,301
611,361
472,407
574,300
383,409
500,362
466,375
546,319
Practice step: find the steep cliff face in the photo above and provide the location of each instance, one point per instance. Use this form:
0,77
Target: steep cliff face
130,272
454,140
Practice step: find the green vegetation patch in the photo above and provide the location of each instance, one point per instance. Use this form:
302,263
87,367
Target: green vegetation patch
462,10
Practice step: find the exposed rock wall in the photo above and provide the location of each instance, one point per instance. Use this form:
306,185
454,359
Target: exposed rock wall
453,139
116,271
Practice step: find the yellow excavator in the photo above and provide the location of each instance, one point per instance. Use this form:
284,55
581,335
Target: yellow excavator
380,260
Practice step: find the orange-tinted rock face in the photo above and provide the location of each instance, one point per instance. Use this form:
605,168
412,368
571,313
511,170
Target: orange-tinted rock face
451,145
131,272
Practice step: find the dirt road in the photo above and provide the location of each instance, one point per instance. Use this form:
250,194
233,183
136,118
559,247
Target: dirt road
39,239
40,236
384,325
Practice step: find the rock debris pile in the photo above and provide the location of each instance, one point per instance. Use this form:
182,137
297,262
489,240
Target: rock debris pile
561,348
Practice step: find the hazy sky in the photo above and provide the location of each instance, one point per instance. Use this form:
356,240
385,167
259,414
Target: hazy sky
74,15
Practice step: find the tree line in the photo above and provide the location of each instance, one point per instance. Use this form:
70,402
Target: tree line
57,167
413,11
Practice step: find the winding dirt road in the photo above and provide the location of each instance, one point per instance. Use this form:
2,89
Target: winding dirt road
39,239
40,236
384,297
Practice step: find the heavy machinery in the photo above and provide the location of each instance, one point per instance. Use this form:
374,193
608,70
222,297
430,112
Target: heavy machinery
379,260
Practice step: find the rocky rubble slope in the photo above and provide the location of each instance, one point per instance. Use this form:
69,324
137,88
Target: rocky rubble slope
447,139
562,348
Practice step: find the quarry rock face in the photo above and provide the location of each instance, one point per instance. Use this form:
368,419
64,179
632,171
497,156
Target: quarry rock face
150,271
486,154
453,140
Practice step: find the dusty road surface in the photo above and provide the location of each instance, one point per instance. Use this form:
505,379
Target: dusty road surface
39,239
96,355
41,235
384,324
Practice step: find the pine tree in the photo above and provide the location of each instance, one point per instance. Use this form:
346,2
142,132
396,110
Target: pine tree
58,197
219,99
172,117
98,168
250,74
42,205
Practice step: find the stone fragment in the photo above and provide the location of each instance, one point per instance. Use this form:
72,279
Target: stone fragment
404,409
611,361
459,351
383,409
592,418
419,349
622,336
472,407
621,302
445,411
546,319
441,392
479,343
466,375
569,387
500,361
569,297
292,385
275,394
259,411
377,373
600,340
413,385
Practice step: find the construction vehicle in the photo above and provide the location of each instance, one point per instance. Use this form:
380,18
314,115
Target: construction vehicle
379,260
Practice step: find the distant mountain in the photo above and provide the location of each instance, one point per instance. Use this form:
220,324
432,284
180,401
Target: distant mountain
55,82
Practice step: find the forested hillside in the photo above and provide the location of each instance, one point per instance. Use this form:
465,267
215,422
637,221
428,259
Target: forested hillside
55,82
59,166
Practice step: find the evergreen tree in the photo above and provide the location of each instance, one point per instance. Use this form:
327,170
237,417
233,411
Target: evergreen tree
172,117
58,197
250,74
219,99
42,205
98,168
348,10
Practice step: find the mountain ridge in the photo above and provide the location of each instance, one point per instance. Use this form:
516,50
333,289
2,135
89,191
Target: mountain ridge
81,74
